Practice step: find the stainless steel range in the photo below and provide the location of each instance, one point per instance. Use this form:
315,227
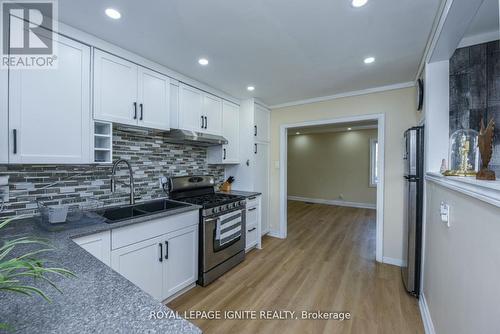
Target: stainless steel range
222,225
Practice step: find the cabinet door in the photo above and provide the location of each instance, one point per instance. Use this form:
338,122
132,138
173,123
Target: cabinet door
231,131
261,178
154,100
190,106
212,110
181,269
49,110
99,245
115,89
142,263
261,127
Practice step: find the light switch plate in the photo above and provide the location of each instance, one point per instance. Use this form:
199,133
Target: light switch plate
444,211
4,180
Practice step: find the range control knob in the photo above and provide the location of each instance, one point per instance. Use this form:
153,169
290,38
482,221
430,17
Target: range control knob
215,210
242,203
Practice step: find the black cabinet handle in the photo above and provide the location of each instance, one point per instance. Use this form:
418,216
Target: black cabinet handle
14,132
255,150
252,229
206,122
224,157
202,122
142,112
166,250
255,130
252,198
161,251
252,209
135,110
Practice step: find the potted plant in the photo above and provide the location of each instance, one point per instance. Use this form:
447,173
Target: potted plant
14,270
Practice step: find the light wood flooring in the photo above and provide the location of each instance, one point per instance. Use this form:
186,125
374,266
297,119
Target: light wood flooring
327,263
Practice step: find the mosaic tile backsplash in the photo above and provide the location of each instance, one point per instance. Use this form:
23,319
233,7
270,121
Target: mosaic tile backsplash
475,91
147,151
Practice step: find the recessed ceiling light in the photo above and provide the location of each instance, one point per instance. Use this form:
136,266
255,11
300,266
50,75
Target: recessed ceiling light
250,88
203,61
113,13
349,129
369,60
358,3
297,133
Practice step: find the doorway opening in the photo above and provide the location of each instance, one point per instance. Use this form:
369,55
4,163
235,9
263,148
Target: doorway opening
334,189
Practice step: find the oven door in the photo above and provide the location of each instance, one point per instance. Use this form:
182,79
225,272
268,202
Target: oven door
214,253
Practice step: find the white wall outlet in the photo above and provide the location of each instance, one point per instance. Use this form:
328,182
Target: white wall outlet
341,196
444,211
163,181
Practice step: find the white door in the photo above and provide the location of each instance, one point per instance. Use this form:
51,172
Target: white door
231,131
154,100
212,110
181,269
262,182
142,263
190,106
115,89
49,109
261,127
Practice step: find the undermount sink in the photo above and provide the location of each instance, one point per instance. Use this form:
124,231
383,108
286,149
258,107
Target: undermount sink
117,214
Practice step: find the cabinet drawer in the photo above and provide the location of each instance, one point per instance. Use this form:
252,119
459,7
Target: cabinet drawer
251,236
253,201
131,234
252,216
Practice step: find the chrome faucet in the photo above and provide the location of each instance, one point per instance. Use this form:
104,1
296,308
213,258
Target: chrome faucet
114,181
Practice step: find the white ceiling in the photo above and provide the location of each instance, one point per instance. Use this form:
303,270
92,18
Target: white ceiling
486,19
288,49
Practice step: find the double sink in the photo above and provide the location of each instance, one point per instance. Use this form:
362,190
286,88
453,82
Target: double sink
117,214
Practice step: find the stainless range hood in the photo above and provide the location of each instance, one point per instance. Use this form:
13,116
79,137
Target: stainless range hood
196,138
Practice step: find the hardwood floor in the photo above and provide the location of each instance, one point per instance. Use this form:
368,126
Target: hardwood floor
327,263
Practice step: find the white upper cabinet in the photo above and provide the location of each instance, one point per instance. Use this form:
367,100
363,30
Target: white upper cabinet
49,110
115,89
154,100
190,108
212,111
199,111
261,126
130,94
231,131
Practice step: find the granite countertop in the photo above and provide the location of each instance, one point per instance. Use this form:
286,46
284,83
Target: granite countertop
245,194
98,300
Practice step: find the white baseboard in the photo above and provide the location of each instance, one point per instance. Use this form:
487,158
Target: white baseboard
426,315
393,261
275,234
333,202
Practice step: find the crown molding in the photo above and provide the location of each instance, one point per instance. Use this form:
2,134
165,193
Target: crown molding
315,131
485,37
347,94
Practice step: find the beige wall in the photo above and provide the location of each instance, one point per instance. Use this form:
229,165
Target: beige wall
462,263
331,166
399,108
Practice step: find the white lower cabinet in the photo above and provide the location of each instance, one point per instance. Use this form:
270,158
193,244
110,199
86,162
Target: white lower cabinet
98,244
161,265
253,223
142,264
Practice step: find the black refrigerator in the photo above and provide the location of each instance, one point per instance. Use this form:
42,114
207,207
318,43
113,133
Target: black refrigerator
413,208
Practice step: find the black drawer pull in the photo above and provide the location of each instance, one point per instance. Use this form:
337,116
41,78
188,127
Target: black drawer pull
255,150
161,251
14,132
224,155
135,110
166,250
252,209
206,122
142,112
252,229
255,130
202,122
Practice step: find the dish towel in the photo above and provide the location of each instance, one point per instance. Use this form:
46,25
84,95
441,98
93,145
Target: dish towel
228,227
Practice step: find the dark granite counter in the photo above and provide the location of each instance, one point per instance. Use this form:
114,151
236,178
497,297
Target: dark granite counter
245,194
98,300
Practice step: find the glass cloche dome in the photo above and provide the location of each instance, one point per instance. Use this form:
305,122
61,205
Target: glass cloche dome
464,153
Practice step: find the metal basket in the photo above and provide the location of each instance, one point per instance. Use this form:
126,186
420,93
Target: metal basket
70,212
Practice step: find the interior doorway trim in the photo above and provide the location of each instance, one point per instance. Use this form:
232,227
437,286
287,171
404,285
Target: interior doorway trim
380,118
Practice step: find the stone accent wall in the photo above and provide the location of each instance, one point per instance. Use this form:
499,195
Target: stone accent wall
148,152
475,90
